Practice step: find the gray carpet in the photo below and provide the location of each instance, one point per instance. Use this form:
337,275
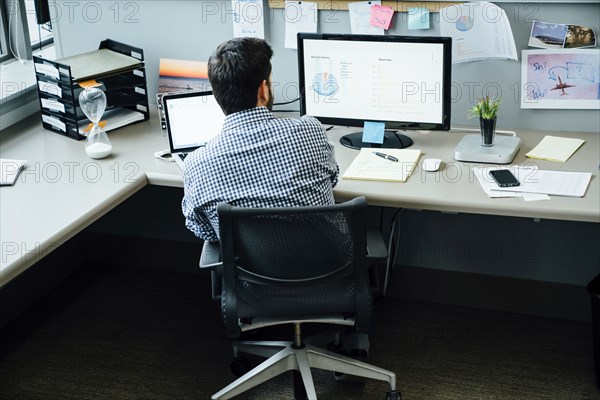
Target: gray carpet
126,333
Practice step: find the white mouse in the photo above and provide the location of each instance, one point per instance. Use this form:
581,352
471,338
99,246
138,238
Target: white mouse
431,164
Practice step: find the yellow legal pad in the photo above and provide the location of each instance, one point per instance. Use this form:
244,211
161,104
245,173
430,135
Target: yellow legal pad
554,148
368,166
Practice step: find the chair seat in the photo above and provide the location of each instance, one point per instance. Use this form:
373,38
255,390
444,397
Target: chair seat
327,297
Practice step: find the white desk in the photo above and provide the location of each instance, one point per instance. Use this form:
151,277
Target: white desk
63,191
455,188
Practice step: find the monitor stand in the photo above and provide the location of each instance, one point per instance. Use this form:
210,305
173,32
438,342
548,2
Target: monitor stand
391,140
503,151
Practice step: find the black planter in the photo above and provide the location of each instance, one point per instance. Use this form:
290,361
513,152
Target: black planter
488,130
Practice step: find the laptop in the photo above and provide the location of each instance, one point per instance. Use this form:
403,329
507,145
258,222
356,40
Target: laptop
192,119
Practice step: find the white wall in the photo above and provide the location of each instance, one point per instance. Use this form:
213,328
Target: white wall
192,29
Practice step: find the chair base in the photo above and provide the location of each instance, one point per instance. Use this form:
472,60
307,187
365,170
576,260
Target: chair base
285,356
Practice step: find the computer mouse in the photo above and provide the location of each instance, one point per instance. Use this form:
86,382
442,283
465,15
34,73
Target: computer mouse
431,164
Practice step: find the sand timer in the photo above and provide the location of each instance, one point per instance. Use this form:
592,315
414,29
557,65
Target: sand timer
93,104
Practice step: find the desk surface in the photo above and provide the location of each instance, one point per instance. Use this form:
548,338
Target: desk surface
63,191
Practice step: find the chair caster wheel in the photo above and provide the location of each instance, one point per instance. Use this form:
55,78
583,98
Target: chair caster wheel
240,365
393,395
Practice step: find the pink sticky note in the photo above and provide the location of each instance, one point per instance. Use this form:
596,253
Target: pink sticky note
381,16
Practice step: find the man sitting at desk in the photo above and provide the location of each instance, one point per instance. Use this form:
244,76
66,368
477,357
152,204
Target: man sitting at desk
258,160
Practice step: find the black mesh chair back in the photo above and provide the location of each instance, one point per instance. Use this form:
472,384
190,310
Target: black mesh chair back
292,262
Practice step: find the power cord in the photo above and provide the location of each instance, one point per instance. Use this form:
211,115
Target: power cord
287,102
10,21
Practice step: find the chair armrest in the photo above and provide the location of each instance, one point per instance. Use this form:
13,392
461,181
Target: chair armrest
210,259
376,248
211,255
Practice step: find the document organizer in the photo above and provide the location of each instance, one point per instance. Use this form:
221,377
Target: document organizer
125,87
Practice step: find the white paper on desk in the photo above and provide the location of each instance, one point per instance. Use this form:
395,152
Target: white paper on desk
9,170
248,18
535,196
360,18
480,30
300,16
532,180
482,175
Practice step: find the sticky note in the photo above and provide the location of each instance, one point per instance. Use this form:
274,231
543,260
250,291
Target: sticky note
381,16
89,84
373,132
418,18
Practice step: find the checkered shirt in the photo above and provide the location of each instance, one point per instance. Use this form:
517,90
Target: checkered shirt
257,161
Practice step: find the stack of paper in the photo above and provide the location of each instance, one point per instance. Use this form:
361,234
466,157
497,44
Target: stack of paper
369,166
555,148
533,180
98,63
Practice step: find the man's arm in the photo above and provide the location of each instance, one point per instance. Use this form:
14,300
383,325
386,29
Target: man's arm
195,220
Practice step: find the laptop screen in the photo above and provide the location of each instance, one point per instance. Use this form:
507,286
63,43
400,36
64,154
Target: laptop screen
192,119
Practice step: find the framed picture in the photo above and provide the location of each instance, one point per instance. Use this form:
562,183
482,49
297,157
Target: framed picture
560,79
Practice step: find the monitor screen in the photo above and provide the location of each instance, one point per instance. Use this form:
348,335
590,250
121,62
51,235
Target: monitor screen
403,81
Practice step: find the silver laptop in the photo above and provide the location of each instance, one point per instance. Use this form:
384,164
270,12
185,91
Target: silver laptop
192,119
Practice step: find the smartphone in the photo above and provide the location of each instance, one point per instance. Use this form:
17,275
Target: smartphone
504,178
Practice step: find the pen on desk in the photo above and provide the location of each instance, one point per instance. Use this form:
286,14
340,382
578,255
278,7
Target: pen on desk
329,128
386,156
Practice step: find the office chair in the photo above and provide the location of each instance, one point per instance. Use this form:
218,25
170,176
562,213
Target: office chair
293,266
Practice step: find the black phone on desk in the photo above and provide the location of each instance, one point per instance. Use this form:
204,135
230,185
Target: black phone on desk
504,178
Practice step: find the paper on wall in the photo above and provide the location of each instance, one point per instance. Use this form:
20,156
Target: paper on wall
299,16
248,18
480,30
360,18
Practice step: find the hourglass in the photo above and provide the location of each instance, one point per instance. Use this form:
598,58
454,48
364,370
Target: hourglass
93,104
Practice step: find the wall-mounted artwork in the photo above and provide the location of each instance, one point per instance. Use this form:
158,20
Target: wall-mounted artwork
560,79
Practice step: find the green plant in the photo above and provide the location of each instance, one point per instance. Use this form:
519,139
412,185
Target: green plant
486,108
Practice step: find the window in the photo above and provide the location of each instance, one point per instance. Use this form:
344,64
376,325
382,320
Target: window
20,36
19,28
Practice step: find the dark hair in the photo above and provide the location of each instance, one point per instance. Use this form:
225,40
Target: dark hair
236,70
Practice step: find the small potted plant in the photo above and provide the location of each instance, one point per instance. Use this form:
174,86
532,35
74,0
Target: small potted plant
487,111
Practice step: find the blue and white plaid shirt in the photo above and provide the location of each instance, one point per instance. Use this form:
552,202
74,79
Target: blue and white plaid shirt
258,160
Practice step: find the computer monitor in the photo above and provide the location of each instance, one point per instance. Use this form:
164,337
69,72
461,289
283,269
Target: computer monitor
403,81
